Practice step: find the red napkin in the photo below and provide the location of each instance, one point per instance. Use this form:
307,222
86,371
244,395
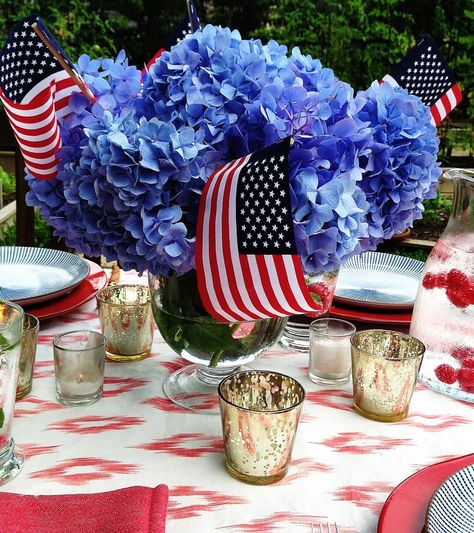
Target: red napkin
130,510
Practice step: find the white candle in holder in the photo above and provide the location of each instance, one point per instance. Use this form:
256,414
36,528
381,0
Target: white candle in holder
330,351
81,384
79,366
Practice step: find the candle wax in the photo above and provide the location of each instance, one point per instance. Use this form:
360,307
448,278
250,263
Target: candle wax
330,358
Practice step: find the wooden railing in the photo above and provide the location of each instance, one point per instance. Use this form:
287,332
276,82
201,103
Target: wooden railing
25,218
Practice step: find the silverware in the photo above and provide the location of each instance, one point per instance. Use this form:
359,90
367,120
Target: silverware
325,528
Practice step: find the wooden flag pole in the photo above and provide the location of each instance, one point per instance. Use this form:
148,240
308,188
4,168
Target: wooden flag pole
74,75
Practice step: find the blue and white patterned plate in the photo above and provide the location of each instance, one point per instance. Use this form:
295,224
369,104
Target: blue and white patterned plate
451,509
33,275
379,280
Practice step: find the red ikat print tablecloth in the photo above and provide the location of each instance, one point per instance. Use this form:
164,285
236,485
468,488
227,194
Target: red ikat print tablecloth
343,467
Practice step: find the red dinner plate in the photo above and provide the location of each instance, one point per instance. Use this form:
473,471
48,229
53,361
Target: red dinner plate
405,508
84,292
367,315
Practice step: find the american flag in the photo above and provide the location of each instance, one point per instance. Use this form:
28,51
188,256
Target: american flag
246,260
189,24
425,73
34,90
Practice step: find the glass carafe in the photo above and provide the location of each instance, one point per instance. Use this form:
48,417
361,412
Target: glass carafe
443,315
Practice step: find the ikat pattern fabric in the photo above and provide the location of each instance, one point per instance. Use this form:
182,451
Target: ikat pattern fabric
343,468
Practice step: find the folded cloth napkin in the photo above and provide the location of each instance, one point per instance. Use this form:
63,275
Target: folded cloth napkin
130,510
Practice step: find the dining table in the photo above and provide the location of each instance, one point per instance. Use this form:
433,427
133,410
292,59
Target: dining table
343,467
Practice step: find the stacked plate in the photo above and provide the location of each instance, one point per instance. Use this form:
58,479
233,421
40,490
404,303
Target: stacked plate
47,282
378,288
437,499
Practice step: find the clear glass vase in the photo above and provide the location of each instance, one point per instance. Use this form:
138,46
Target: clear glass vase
216,349
11,329
296,333
443,315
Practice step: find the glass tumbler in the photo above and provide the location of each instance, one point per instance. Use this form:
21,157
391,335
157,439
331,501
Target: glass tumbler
79,360
330,351
11,328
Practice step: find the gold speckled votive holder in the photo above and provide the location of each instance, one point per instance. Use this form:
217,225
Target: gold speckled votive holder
385,366
26,364
126,321
259,412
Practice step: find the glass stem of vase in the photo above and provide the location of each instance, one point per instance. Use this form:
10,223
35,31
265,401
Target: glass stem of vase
213,376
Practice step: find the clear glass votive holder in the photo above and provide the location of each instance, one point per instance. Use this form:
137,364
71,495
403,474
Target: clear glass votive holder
11,328
260,411
385,366
29,339
127,322
330,351
79,360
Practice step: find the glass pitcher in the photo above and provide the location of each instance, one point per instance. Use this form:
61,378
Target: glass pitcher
443,315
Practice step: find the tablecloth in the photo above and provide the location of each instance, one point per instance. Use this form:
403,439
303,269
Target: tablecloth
343,467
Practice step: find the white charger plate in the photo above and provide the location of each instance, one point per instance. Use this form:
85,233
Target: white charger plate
33,275
379,280
452,506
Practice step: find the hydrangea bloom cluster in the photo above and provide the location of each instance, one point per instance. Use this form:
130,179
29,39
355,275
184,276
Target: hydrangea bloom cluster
401,170
134,164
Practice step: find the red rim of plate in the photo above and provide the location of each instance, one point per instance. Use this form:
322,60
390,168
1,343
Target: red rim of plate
405,509
372,316
85,291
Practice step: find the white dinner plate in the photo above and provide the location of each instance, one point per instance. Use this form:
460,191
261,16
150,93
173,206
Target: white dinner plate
379,280
32,275
452,506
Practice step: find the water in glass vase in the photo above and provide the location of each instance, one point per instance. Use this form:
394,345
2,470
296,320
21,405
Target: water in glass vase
203,341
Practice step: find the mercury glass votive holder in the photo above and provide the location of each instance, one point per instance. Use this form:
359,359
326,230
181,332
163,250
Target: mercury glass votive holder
79,360
127,322
385,366
260,411
29,339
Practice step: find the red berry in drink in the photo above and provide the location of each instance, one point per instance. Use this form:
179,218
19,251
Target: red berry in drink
446,373
465,355
429,281
457,297
457,280
466,379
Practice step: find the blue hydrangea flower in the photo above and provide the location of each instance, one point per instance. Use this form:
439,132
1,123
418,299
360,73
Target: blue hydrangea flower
133,165
401,169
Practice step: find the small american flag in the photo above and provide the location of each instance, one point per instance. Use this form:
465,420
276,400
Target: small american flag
34,90
425,73
246,260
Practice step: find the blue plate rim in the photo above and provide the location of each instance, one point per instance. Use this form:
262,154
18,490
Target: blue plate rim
15,255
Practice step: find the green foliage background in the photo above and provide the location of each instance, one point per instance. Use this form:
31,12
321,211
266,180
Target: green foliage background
359,39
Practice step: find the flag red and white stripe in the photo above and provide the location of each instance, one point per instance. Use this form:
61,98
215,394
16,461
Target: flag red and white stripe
36,81
35,123
441,109
236,286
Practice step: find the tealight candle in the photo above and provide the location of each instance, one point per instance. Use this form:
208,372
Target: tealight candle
79,367
330,351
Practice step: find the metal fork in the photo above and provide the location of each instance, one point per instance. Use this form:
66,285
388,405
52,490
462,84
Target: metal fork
328,528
